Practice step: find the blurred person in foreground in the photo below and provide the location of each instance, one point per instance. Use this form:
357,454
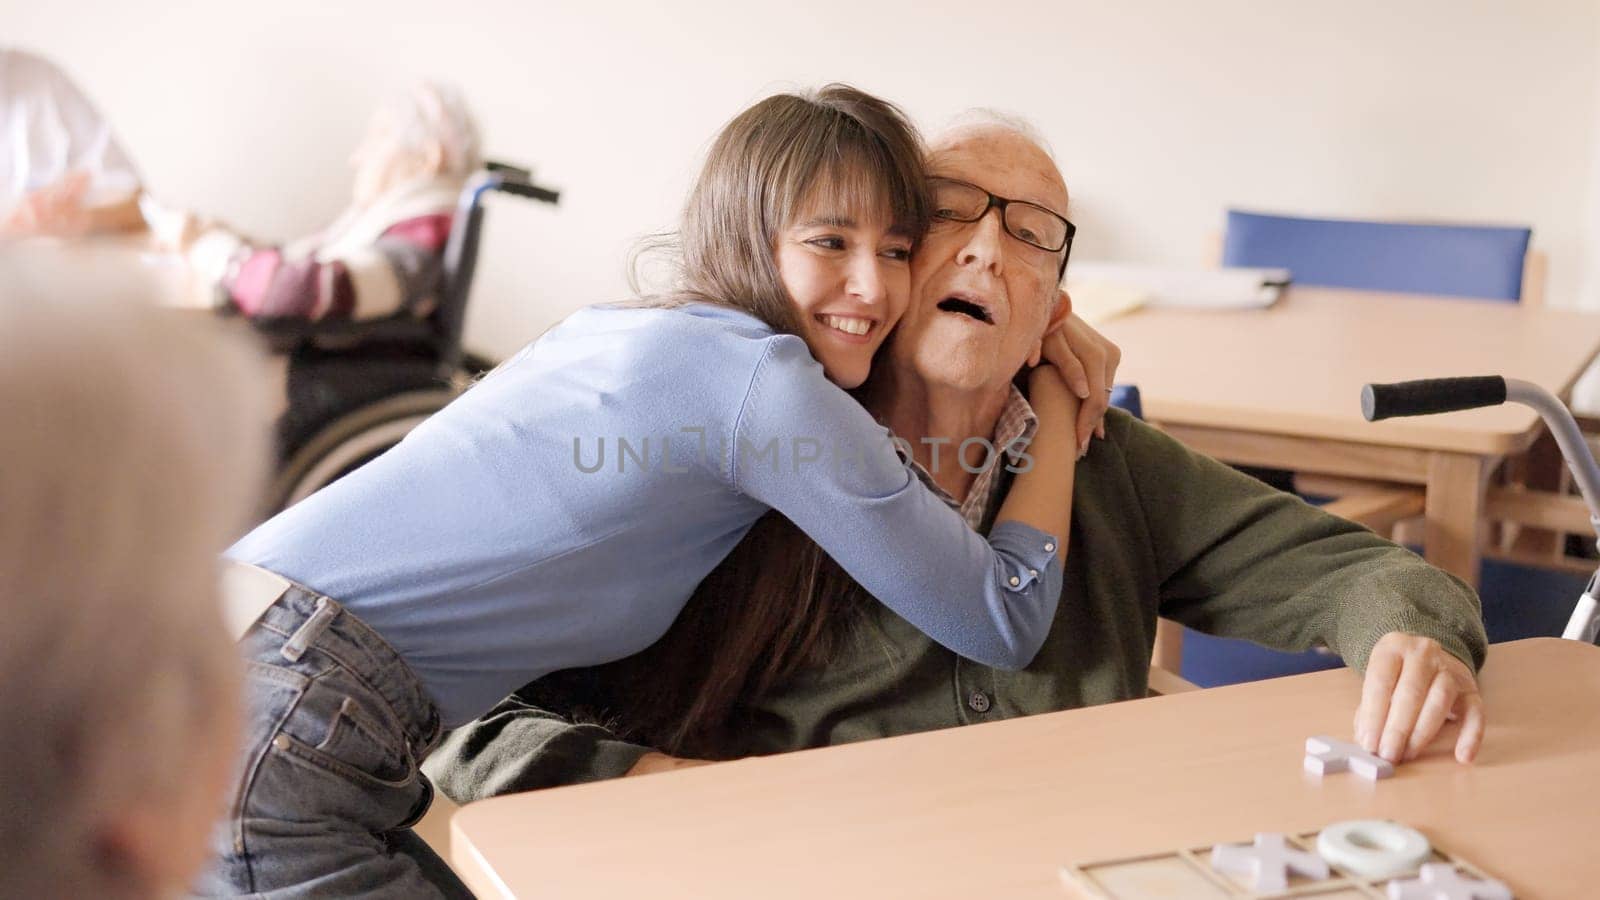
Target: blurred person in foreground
128,451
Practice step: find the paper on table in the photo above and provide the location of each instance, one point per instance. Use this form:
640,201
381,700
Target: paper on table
1172,287
1096,301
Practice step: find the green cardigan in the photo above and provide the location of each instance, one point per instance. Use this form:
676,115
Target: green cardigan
1157,530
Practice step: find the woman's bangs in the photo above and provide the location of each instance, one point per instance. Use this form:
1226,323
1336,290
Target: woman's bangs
867,187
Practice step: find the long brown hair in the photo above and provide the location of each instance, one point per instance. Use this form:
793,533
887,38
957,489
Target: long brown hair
762,168
778,603
776,606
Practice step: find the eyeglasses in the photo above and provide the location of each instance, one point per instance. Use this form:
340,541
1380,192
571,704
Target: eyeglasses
1030,223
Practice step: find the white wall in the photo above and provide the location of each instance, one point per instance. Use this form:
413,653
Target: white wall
1163,113
1586,394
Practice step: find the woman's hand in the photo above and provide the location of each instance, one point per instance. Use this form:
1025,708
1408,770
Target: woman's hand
55,210
1055,402
1089,363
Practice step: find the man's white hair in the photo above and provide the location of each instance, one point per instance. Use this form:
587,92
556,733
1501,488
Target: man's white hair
434,113
983,117
131,449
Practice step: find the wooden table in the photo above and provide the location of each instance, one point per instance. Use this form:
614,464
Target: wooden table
994,810
1281,388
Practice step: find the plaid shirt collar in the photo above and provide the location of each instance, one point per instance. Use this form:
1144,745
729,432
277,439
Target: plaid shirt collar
1017,422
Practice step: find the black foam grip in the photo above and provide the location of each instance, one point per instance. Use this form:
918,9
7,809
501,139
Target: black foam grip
509,170
1431,395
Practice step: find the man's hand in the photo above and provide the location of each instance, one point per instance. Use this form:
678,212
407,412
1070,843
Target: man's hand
654,762
1089,363
1413,685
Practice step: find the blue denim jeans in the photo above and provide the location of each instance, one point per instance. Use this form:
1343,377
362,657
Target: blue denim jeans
328,786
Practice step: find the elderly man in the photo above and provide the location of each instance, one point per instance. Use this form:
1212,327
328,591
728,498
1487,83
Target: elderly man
1157,530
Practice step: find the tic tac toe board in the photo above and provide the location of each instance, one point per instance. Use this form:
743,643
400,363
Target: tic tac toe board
1186,874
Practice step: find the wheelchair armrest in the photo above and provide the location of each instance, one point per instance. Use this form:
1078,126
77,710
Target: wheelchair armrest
286,334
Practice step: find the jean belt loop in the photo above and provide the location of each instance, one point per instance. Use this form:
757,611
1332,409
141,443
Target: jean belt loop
295,647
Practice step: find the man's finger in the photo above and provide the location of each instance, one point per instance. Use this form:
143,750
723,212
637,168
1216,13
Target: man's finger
1383,670
1409,693
1472,727
1441,697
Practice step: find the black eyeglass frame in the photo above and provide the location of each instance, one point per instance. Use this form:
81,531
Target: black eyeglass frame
998,202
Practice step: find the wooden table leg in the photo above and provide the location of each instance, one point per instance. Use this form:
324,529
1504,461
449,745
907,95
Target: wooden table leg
1454,513
1168,650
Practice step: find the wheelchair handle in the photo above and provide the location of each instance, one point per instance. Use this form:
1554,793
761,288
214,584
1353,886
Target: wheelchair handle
509,170
1438,395
1441,395
1431,395
1435,395
521,188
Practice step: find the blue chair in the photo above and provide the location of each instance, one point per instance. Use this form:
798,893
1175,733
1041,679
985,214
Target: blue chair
1449,260
1211,661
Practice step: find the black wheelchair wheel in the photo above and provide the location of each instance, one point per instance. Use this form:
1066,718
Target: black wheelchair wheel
350,441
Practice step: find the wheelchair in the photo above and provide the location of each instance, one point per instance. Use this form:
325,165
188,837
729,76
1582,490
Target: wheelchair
356,388
1430,396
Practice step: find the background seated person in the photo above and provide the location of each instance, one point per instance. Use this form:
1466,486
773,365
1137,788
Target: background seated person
62,172
383,254
778,650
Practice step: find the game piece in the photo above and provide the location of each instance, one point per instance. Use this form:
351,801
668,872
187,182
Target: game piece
1190,872
1373,848
1268,862
1326,755
1441,881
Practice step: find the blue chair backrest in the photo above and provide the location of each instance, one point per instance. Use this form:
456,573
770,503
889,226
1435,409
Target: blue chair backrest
1126,398
1450,260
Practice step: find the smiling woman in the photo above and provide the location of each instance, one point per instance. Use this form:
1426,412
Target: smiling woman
414,593
824,254
849,275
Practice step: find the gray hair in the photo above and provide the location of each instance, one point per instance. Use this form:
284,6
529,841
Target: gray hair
130,449
986,117
430,113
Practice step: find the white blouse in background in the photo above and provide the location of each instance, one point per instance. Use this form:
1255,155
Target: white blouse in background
48,128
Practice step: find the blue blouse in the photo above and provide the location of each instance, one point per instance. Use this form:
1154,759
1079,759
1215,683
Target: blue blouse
561,512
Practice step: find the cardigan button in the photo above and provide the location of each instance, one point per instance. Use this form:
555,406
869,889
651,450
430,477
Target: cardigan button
978,702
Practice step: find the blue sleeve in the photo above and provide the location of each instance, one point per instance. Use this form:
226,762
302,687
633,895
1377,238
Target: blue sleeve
807,449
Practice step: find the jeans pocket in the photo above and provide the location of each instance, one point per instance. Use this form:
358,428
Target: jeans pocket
332,731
